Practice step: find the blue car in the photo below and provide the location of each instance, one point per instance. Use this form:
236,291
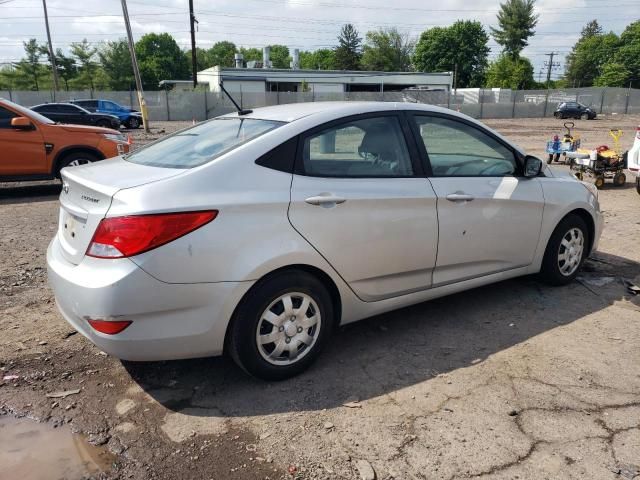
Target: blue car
128,117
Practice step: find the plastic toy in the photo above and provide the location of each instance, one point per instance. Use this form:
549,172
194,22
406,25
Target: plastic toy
569,143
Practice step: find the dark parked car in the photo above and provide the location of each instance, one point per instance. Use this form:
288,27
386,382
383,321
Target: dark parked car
69,113
574,110
129,117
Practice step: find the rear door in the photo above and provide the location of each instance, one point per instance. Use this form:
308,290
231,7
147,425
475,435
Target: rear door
489,214
359,197
22,152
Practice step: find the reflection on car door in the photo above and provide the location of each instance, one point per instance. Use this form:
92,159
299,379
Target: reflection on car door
356,198
489,215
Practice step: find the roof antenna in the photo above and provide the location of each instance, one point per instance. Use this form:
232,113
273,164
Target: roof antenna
241,111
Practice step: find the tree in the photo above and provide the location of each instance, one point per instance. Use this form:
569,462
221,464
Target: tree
85,55
66,67
160,58
222,54
322,59
629,53
462,47
115,58
516,23
29,68
613,75
590,29
387,50
279,56
251,54
588,57
508,72
347,53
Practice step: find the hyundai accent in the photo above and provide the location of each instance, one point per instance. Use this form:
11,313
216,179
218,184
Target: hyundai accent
258,233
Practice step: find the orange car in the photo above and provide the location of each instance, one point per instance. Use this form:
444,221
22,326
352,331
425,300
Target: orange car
32,147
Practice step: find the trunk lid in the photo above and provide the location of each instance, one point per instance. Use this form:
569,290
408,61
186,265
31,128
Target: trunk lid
86,196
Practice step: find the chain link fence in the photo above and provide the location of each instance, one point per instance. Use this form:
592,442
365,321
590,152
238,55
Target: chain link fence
478,103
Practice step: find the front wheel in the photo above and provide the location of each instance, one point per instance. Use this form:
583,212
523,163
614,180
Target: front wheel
74,159
599,182
281,325
566,251
584,116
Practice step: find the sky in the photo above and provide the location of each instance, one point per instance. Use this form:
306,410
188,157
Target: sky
304,24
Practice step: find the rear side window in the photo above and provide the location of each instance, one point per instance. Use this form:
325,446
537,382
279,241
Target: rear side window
202,143
5,117
370,147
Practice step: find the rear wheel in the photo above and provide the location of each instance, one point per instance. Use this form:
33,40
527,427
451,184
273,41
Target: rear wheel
619,179
566,251
281,326
74,159
133,122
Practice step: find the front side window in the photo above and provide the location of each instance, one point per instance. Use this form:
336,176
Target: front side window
456,149
5,117
202,143
371,147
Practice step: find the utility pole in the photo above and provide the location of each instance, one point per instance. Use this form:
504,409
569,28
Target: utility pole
52,55
136,70
194,60
550,66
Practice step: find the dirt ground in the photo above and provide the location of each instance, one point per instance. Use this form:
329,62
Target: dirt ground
515,380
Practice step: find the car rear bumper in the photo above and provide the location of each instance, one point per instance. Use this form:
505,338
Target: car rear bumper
170,321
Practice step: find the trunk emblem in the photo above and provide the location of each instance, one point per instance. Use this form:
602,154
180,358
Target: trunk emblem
65,188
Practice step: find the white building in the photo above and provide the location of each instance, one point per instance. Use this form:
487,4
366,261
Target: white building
261,80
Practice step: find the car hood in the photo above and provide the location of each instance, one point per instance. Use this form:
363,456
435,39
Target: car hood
551,171
67,127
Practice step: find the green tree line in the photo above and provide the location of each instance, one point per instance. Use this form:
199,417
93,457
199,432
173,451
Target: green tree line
597,58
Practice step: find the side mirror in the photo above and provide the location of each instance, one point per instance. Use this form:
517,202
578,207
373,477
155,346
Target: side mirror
532,166
21,123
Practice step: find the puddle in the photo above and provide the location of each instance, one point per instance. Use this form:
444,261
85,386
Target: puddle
33,451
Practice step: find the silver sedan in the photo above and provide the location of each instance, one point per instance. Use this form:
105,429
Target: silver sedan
258,233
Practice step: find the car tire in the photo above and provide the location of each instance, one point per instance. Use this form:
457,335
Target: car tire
133,122
566,251
585,116
599,182
558,115
74,159
264,349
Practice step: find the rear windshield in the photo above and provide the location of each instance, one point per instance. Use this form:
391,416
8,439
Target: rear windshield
202,143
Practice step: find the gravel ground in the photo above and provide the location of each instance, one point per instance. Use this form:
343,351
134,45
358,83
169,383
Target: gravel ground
512,380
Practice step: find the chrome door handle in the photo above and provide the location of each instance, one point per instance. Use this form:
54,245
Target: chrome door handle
459,197
325,199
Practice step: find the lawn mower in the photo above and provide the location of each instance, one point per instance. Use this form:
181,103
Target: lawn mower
569,143
601,162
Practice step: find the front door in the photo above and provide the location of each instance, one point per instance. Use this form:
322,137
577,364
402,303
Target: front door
489,214
357,198
22,152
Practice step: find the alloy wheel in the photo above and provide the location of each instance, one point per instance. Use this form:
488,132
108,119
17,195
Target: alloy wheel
570,251
288,328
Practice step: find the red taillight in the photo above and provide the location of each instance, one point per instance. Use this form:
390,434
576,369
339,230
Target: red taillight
119,237
110,327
